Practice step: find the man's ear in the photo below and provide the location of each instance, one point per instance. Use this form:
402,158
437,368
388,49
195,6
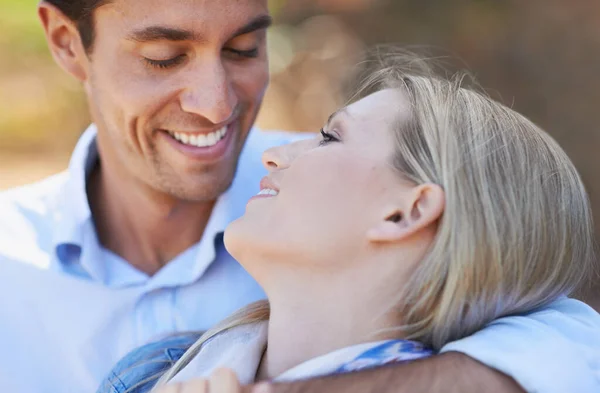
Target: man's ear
63,40
419,208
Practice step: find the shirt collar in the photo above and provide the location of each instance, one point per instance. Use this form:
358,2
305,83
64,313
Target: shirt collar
74,228
74,210
229,206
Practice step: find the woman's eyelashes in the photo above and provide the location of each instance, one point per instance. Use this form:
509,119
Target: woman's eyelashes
327,138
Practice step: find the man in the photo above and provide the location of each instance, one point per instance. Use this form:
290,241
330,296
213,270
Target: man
126,247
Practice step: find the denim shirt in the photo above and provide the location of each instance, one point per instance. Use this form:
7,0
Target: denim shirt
555,349
78,307
241,349
138,371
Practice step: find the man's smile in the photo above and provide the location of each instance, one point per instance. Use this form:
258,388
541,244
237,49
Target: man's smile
199,139
203,146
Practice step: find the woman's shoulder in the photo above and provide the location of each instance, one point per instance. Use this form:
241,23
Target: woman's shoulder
141,368
239,348
358,357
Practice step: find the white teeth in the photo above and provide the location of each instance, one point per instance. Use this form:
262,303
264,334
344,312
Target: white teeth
212,138
268,191
200,140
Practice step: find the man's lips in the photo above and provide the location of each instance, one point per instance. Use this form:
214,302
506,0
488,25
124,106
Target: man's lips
208,147
199,139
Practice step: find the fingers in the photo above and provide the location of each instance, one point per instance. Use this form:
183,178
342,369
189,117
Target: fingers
224,380
262,387
195,386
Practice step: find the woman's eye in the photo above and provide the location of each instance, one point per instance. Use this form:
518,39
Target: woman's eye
164,64
327,138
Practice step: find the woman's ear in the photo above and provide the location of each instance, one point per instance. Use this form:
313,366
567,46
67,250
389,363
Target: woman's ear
63,40
417,209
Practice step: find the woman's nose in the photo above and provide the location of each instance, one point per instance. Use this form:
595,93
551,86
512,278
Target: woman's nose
281,157
273,159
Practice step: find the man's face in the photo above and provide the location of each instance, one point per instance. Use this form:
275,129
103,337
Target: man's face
174,88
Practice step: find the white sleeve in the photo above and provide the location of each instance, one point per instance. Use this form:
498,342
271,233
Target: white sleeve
555,349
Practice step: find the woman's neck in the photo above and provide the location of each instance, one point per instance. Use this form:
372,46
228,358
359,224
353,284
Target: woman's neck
316,317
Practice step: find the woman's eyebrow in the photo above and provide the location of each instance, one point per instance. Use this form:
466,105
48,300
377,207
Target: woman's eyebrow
343,110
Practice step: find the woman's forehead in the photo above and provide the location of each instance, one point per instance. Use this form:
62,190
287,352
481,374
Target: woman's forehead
385,106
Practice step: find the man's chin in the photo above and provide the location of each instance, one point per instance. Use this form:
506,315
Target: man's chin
189,189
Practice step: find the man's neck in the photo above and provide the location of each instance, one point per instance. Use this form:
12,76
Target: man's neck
143,227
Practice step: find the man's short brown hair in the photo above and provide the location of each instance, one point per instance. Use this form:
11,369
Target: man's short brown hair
82,13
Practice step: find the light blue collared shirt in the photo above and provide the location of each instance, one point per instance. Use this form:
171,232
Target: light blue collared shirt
71,309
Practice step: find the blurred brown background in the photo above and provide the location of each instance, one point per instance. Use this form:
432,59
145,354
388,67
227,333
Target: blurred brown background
539,56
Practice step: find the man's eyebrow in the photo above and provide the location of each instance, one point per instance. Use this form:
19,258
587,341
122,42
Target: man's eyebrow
259,23
156,33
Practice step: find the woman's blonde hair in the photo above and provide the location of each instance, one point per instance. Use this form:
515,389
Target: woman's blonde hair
516,232
517,228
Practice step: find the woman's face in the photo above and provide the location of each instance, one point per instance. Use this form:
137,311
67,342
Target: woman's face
330,191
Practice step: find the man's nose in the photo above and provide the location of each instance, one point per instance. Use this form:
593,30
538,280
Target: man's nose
281,157
209,92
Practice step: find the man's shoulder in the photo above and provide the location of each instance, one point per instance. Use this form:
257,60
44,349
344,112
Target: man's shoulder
36,198
561,336
27,214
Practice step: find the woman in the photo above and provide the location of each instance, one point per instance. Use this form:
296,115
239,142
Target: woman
424,211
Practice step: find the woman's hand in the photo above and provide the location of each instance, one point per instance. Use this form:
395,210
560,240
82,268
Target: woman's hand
222,380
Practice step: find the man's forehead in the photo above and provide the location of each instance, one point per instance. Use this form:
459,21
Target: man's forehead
199,17
199,5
